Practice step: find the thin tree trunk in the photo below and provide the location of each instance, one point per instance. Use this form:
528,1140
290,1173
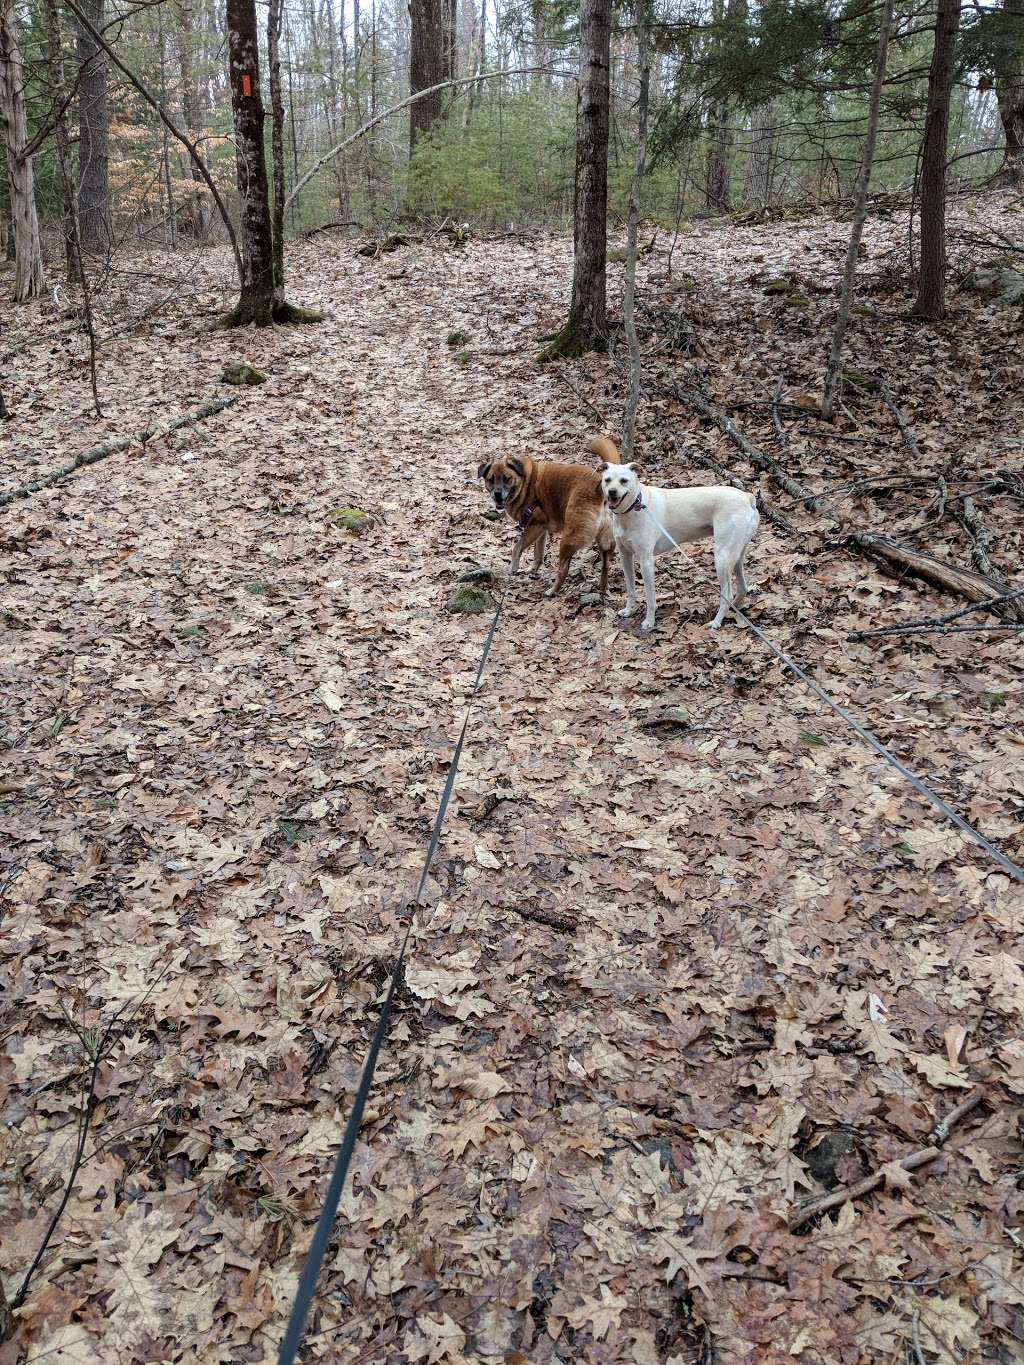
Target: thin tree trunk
449,40
199,209
62,138
426,65
28,252
859,214
166,147
633,223
1009,82
276,141
95,227
931,279
587,327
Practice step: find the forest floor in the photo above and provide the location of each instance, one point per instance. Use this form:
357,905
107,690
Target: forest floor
771,966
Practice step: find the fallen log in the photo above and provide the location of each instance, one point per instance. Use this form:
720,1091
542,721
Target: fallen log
967,583
100,452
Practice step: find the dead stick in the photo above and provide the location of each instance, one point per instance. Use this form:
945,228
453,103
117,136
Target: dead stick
756,456
548,917
966,583
916,1159
100,452
892,631
901,422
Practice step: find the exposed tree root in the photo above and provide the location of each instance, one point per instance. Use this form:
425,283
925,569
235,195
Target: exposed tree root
570,343
264,314
100,452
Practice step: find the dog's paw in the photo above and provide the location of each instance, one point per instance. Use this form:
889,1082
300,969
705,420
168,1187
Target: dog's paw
646,626
714,625
621,615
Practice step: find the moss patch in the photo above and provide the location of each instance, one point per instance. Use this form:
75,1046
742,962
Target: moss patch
352,519
796,301
456,340
470,601
241,372
776,287
857,379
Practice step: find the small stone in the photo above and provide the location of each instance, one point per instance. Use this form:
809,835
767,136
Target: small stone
484,576
796,301
352,519
470,601
776,287
241,372
591,599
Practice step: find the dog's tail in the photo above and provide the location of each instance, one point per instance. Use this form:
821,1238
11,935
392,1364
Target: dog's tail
601,445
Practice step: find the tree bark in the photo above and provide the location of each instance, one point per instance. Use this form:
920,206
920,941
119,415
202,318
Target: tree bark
449,40
199,212
62,137
261,300
426,65
1009,82
587,327
633,223
717,182
28,252
256,301
276,141
761,153
859,214
94,222
931,281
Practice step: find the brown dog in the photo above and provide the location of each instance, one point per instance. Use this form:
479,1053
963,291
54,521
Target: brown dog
547,497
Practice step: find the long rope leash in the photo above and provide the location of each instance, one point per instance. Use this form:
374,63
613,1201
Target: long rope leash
875,743
321,1237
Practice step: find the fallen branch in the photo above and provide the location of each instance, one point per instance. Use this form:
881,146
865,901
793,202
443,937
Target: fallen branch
912,1162
905,430
368,127
940,623
757,457
100,452
975,587
973,525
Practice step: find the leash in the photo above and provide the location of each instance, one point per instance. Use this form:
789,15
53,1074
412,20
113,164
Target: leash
872,740
321,1237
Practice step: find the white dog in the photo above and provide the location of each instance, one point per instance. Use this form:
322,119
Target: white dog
641,515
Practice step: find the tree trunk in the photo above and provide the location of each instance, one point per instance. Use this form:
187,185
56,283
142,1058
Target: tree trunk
931,280
449,40
1009,81
28,252
587,327
276,141
760,170
859,214
62,138
426,65
633,224
256,302
94,223
262,293
199,208
717,180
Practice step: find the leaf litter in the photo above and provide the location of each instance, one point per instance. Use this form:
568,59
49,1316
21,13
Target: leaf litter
767,970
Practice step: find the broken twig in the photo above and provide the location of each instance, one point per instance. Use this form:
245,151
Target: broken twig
100,452
922,1157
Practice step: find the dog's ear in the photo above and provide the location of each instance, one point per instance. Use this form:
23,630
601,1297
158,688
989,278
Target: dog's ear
483,470
633,467
517,467
604,465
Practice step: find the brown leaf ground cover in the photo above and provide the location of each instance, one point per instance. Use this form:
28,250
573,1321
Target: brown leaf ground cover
227,724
